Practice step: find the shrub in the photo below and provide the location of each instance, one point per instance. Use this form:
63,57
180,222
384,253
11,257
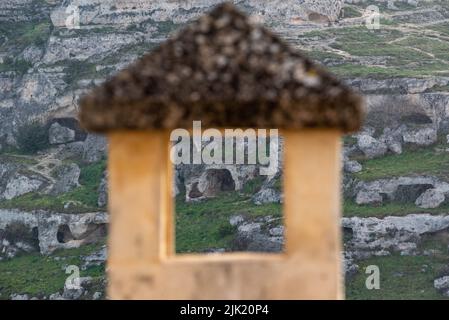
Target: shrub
18,231
226,230
32,137
394,110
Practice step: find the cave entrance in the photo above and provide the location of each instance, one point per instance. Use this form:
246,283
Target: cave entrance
218,180
94,232
64,234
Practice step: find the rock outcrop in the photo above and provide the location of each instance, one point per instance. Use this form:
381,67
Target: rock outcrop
375,236
424,191
58,134
263,234
58,230
66,177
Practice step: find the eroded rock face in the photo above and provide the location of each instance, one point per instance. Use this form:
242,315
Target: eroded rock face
95,259
263,234
396,85
368,197
401,189
58,134
323,10
370,146
20,184
94,148
374,236
17,180
421,136
103,191
442,285
58,230
66,177
267,195
205,181
352,166
431,198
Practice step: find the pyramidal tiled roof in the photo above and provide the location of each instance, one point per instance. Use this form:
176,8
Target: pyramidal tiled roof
227,72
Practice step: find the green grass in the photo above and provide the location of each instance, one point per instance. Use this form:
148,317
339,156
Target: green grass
322,55
205,225
18,65
76,70
421,161
349,140
401,277
443,28
351,209
16,156
39,275
350,12
85,195
437,47
419,70
409,57
22,34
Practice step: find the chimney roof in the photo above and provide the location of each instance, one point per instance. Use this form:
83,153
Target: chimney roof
227,72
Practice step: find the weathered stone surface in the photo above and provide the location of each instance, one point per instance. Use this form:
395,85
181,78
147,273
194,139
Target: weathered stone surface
58,134
374,236
66,177
16,179
256,235
19,297
349,266
267,195
95,259
59,230
95,147
204,181
71,293
441,283
393,138
352,166
236,220
409,85
370,146
369,197
103,191
20,184
431,198
421,136
404,189
72,150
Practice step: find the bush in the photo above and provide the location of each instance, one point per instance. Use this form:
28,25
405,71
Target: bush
392,111
18,231
226,230
33,137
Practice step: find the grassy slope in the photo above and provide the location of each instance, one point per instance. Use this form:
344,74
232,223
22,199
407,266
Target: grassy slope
430,160
39,275
205,225
85,195
406,50
423,161
351,209
401,277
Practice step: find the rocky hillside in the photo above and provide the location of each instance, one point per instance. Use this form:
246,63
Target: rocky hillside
52,173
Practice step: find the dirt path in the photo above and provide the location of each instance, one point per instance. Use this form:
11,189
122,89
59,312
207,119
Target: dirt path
42,165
